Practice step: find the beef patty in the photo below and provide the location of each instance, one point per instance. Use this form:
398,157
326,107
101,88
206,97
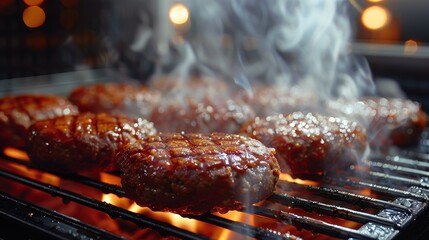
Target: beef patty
310,143
198,173
85,142
18,112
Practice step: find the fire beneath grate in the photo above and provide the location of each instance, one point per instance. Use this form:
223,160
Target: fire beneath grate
388,199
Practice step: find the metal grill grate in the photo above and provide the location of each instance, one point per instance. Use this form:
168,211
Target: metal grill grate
399,185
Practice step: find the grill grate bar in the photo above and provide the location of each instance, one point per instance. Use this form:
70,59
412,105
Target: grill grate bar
381,189
329,190
403,180
398,169
47,222
420,156
222,222
113,211
238,227
353,198
256,232
309,223
104,187
336,211
403,161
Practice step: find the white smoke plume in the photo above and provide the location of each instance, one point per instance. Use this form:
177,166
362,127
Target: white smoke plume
302,43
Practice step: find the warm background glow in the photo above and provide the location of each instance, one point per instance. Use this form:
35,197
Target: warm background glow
375,17
179,14
70,3
36,40
5,3
375,0
68,18
33,17
33,2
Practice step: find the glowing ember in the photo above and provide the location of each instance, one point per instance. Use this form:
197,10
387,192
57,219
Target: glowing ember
289,178
237,217
171,218
110,179
174,219
16,153
366,192
112,198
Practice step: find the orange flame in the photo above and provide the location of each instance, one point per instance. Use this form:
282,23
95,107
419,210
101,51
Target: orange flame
171,218
289,178
22,155
191,225
16,153
112,198
237,217
174,219
110,179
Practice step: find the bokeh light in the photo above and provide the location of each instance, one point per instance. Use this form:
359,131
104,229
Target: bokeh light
179,14
375,17
410,47
33,16
33,2
375,1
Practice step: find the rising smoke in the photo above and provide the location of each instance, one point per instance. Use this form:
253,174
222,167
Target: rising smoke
302,43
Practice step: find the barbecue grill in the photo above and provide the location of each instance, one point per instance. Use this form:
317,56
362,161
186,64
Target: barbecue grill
385,199
402,178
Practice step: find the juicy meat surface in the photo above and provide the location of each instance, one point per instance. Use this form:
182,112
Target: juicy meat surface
131,99
390,121
84,142
268,100
198,173
198,104
204,116
309,143
18,112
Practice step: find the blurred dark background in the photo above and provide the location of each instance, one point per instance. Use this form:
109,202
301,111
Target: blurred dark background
40,37
48,36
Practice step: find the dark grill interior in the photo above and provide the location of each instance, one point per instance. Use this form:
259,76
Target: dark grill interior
396,206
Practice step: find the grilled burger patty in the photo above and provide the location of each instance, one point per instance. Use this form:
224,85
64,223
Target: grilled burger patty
131,99
204,116
198,104
197,173
308,143
389,120
83,142
267,100
18,112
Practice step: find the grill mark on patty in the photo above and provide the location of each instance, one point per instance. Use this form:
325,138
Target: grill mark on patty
94,125
72,125
22,106
96,137
209,179
211,149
